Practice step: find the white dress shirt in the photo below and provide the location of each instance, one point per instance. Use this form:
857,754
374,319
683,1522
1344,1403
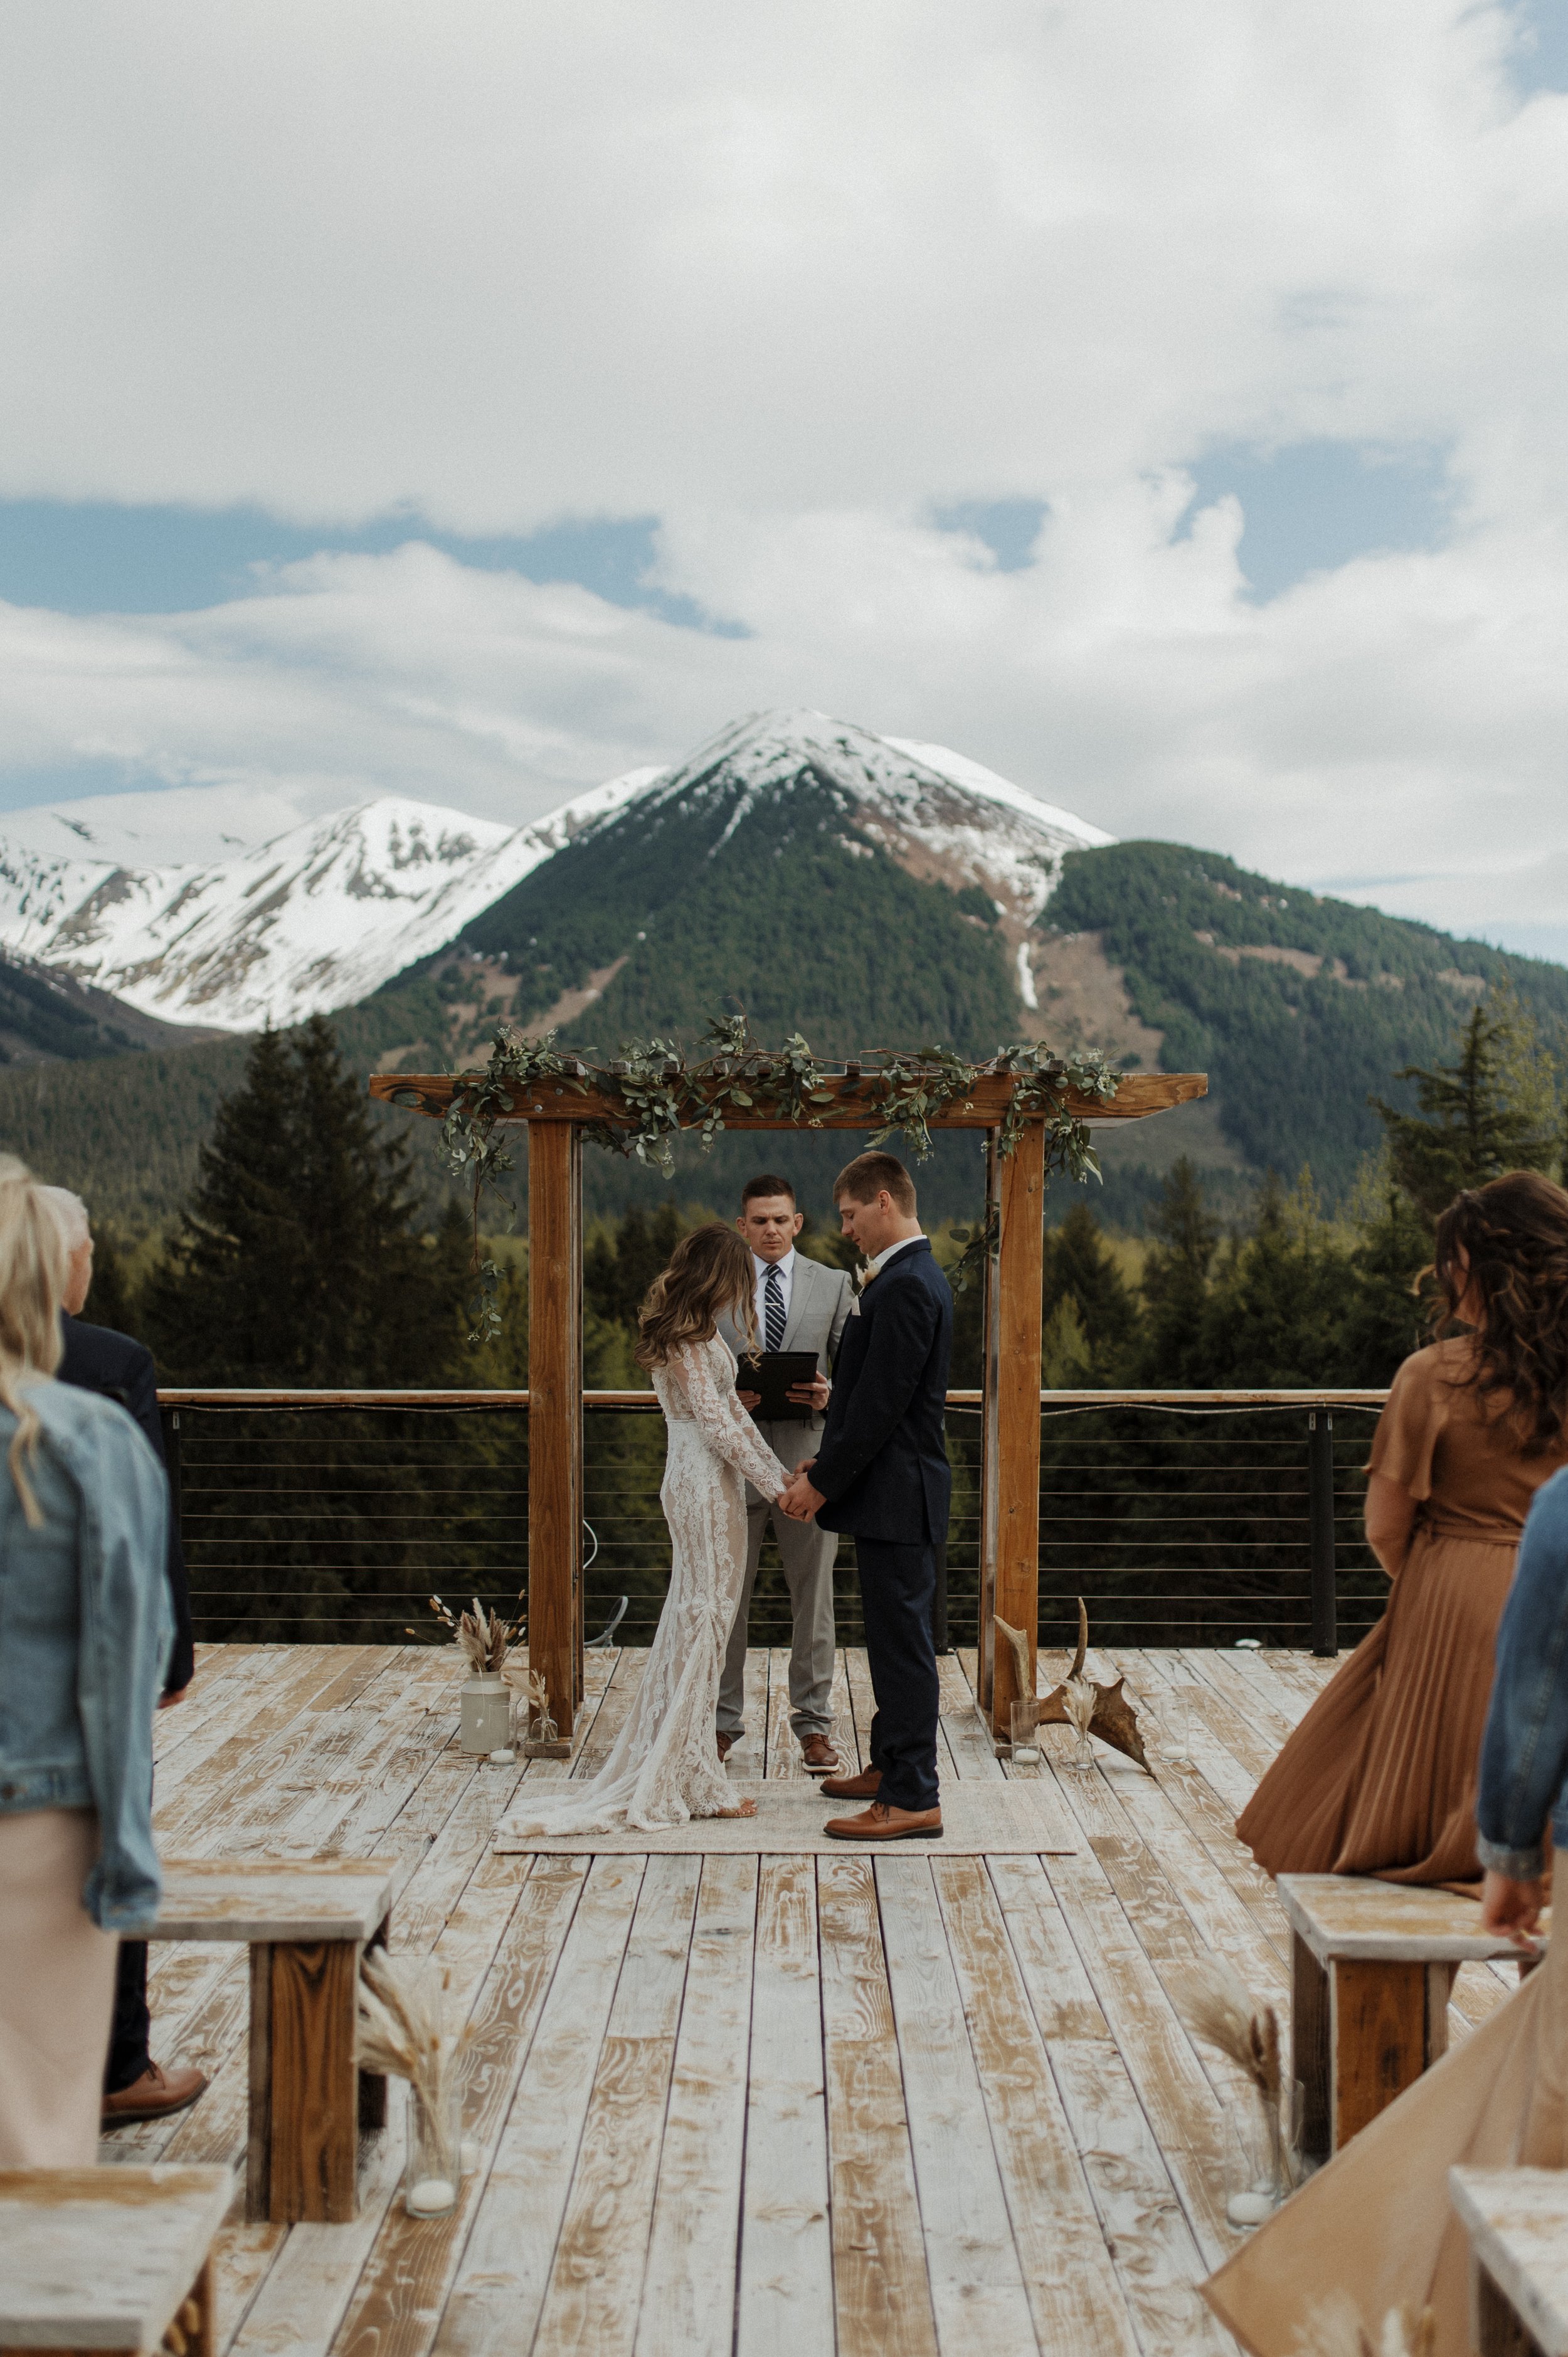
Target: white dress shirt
874,1268
786,1268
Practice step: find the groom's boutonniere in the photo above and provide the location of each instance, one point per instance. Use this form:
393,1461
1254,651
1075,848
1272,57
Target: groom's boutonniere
861,1277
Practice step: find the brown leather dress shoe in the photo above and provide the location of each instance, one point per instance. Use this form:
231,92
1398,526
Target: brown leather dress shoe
726,1744
864,1786
882,1822
819,1755
154,2096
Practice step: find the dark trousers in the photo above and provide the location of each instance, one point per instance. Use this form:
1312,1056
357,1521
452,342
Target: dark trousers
896,1587
131,2027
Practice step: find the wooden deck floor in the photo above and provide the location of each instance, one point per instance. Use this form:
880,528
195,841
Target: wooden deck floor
786,2106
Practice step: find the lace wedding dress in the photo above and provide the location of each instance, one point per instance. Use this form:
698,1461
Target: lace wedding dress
664,1767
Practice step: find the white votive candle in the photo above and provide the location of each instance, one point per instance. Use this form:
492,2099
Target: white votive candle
430,2197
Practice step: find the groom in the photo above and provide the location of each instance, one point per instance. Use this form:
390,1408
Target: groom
882,1472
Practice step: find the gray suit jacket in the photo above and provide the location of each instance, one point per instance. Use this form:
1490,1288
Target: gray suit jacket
822,1302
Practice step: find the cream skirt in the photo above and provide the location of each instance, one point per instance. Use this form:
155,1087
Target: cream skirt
57,1991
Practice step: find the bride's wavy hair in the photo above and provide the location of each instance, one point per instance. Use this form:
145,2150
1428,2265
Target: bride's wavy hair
1513,1232
710,1271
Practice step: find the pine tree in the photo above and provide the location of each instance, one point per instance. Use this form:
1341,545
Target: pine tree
1081,1270
1175,1279
1494,1110
300,1259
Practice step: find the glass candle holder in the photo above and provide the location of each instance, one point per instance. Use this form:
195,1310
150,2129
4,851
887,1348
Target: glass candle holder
433,2169
1173,1721
1025,1736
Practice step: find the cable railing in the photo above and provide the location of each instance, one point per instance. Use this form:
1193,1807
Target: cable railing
1193,1517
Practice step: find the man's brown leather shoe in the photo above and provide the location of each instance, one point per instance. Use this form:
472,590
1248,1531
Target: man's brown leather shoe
819,1755
864,1786
883,1822
726,1744
154,2096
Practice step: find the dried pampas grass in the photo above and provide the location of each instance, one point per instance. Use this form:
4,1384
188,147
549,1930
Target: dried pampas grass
1335,2329
403,2031
1080,1700
1216,2005
483,1637
534,1695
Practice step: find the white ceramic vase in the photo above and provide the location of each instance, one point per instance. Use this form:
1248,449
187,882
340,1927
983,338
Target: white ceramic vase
486,1714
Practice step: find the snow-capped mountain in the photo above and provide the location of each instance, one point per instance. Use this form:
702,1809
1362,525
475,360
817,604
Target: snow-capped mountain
314,918
323,914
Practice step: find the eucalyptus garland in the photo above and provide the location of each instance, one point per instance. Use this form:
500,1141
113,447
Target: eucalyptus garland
659,1093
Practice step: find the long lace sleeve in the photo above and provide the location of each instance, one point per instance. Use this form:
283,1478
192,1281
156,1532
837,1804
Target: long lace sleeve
707,1384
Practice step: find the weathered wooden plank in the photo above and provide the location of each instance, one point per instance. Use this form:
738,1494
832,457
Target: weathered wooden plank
689,2286
499,2291
595,2283
1156,2260
1076,2300
786,2297
977,2282
882,2292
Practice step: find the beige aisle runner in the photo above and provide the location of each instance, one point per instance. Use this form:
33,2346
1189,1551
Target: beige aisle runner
1012,1818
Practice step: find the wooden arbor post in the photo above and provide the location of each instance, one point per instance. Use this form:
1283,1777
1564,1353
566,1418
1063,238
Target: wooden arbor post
1010,1535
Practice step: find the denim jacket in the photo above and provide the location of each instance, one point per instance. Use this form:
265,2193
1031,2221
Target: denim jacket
85,1628
1524,1752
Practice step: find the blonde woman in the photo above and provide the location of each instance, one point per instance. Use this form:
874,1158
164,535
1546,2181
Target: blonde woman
665,1769
84,1631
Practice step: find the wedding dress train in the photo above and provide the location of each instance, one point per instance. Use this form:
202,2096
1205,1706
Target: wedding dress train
665,1769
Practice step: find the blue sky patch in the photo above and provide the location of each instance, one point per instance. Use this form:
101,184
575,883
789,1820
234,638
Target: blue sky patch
1540,59
1008,527
1313,506
98,556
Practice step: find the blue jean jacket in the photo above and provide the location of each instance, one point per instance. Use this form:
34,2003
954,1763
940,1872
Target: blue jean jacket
85,1627
1524,1752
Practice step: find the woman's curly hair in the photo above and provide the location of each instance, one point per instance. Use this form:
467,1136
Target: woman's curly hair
710,1271
1513,1235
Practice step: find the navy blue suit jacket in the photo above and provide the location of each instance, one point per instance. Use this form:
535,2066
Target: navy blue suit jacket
98,1360
882,1465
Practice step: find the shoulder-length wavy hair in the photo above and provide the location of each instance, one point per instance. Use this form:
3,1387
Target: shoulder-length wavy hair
33,1265
1509,1240
710,1271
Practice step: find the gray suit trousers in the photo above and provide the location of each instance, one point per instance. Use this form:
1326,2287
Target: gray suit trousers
807,1557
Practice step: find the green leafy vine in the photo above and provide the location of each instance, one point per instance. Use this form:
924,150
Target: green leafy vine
659,1093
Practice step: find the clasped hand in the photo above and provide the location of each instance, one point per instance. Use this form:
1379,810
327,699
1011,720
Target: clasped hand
798,1499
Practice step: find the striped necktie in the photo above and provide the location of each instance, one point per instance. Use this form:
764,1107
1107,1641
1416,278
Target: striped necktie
773,1308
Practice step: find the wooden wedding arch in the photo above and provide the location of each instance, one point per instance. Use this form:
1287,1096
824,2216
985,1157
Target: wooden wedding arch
1010,1477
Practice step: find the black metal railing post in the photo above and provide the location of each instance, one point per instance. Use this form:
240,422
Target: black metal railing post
171,1420
1320,1506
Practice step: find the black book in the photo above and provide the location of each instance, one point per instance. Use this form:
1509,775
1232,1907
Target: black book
775,1373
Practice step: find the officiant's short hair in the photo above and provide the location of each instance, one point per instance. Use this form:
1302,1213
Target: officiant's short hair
868,1174
766,1182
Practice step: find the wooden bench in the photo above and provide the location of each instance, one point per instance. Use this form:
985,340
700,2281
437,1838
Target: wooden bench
99,2259
306,1924
1372,1968
1518,2223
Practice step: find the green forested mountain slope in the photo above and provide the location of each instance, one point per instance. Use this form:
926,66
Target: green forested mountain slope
1221,961
774,902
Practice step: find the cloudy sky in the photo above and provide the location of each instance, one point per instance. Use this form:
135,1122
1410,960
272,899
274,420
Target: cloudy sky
1160,401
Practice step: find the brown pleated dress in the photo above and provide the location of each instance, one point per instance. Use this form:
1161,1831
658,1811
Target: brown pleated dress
1379,1777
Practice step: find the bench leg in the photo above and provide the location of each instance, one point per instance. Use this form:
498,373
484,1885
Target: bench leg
1309,2048
372,2083
304,2140
1377,2031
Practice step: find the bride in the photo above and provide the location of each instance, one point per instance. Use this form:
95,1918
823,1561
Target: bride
664,1767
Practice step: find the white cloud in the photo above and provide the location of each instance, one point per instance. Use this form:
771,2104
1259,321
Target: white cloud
792,279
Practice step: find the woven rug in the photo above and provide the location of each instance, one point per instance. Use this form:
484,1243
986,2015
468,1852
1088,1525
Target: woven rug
979,1820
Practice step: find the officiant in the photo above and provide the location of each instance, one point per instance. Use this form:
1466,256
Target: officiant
801,1306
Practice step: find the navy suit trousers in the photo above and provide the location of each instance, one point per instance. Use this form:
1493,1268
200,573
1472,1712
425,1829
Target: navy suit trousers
898,1584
